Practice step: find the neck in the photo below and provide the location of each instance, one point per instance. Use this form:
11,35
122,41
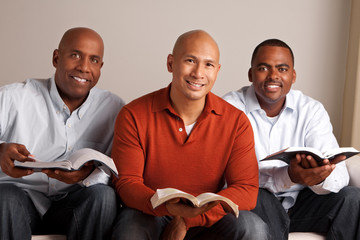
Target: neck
188,110
272,109
73,103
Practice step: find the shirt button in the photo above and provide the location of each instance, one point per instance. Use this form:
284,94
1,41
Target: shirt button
69,148
69,125
180,129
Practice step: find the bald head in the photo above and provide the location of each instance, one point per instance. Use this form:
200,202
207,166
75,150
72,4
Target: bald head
78,62
194,64
74,34
192,37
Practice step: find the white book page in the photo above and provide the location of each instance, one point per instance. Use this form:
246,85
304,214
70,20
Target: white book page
300,149
84,155
38,164
163,195
333,152
210,197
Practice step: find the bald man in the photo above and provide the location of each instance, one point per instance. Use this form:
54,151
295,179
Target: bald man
185,137
50,119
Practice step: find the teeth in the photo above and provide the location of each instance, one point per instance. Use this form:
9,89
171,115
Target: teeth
80,79
272,86
195,84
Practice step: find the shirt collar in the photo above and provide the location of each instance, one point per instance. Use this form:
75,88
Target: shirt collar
161,102
59,104
252,103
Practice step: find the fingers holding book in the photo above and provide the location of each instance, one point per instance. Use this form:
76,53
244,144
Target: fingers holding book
183,208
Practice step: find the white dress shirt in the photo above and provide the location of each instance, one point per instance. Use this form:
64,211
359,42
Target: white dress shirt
303,122
33,114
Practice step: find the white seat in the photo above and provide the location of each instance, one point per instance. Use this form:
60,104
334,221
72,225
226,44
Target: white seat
48,237
306,236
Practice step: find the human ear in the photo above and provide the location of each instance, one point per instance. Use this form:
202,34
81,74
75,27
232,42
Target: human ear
250,75
55,57
294,76
169,63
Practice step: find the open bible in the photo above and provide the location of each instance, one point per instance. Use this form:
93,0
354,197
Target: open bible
287,154
163,195
75,161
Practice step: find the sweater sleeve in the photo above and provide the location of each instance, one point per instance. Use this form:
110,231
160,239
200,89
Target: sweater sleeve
129,159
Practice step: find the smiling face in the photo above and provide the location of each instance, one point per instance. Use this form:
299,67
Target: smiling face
78,62
272,74
194,65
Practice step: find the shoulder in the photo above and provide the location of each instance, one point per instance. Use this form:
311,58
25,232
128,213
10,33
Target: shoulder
29,87
302,102
237,98
106,97
231,113
144,102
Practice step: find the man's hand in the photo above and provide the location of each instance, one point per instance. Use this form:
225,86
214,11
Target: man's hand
338,159
9,152
305,170
70,177
177,208
175,230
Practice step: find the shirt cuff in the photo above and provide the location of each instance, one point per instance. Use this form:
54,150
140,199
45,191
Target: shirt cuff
99,176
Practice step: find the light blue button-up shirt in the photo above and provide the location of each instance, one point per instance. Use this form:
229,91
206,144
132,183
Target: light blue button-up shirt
303,122
33,114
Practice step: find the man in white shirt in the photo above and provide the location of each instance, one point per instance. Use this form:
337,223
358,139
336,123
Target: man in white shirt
50,119
301,196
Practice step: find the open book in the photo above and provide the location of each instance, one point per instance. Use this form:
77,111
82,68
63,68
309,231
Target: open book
163,195
288,153
75,161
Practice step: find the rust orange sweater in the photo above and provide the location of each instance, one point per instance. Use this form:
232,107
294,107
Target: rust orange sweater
152,150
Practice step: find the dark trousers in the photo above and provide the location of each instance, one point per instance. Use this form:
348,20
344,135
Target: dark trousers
87,213
337,215
133,224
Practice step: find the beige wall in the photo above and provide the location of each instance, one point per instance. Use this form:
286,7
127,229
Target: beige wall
351,113
139,34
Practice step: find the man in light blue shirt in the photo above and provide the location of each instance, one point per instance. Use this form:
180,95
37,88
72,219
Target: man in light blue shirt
301,196
50,119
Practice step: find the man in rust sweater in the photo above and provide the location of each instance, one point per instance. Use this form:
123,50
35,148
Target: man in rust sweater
185,137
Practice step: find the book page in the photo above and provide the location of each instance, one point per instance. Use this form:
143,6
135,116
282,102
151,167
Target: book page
306,150
163,195
39,165
80,157
205,198
347,151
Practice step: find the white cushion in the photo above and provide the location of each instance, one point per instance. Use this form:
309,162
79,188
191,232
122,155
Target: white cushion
305,236
48,237
353,166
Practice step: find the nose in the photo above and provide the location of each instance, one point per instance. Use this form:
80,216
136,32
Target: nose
83,65
198,71
273,74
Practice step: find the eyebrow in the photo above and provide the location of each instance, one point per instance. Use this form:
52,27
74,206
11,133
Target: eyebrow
277,66
80,52
206,59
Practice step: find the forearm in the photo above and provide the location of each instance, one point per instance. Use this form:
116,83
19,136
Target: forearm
135,194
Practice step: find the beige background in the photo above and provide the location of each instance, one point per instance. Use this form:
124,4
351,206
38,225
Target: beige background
138,35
